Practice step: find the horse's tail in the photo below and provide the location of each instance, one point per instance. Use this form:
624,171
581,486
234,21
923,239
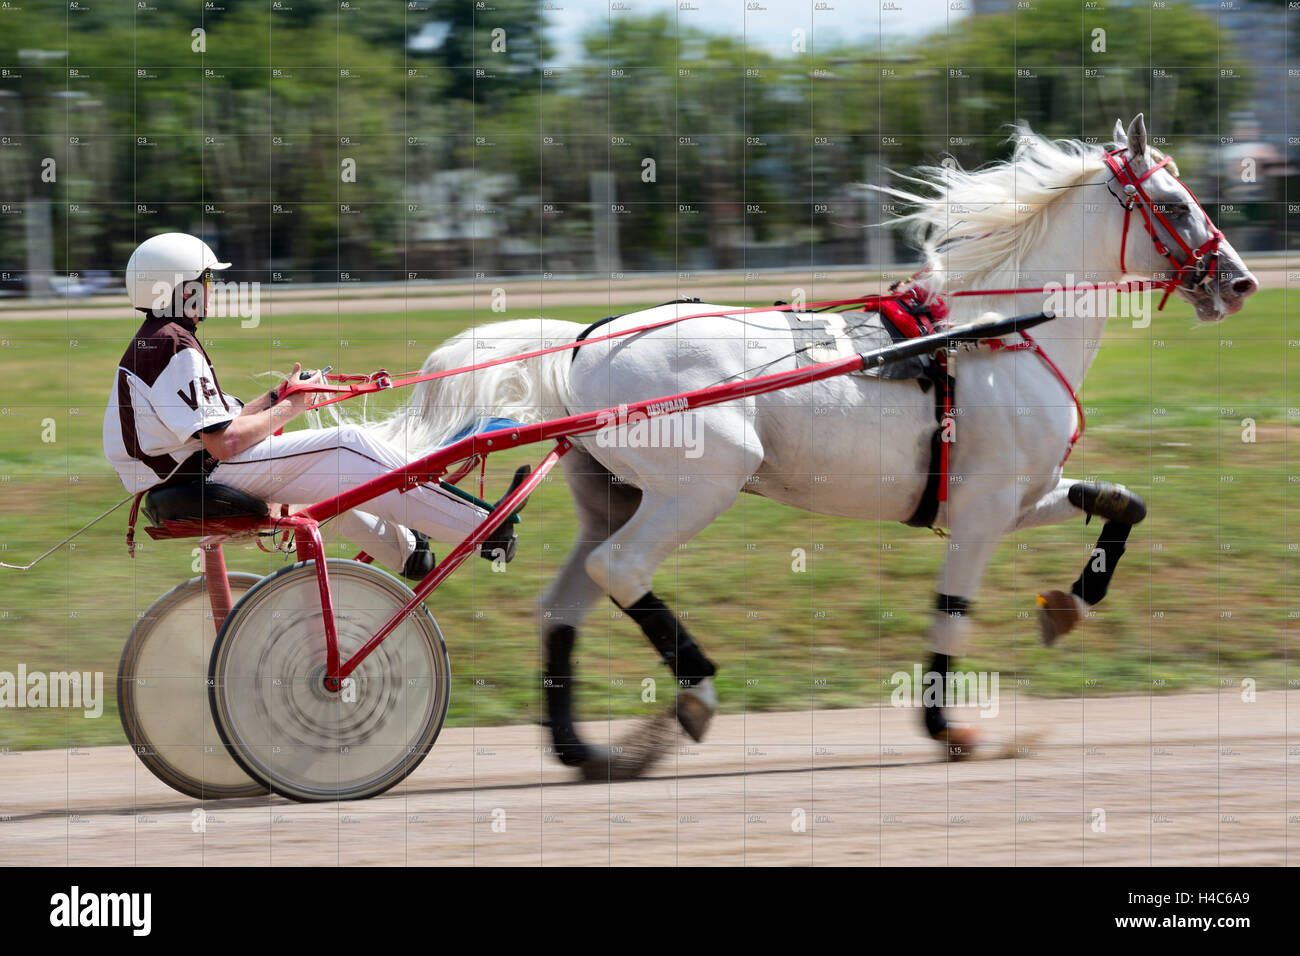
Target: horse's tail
531,390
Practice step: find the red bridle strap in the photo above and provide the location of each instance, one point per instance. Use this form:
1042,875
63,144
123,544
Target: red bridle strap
1131,183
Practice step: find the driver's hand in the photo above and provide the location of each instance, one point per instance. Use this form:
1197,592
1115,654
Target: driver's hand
316,377
301,399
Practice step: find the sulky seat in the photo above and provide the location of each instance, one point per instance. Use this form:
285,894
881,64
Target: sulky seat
199,500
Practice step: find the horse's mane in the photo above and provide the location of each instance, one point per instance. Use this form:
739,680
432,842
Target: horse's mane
1005,205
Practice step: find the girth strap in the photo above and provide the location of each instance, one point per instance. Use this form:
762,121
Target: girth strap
936,485
936,482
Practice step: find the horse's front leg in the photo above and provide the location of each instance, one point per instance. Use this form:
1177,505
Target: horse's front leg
1120,509
977,524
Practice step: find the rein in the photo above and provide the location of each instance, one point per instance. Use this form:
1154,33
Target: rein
350,386
344,387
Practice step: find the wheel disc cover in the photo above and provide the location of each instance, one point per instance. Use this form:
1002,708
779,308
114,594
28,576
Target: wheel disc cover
168,688
288,727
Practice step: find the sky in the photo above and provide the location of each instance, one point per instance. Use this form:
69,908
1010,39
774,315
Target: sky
766,24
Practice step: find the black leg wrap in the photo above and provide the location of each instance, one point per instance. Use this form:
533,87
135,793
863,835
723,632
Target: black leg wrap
951,604
670,638
1092,583
940,664
935,721
1110,502
558,684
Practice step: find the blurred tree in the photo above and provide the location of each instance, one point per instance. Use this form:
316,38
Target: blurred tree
473,43
744,139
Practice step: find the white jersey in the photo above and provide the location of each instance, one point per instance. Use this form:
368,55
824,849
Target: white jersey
166,393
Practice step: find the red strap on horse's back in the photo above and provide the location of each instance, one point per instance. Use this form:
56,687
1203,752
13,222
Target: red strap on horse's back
910,313
908,325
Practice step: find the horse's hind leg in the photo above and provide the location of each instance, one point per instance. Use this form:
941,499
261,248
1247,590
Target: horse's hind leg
625,564
604,505
1120,509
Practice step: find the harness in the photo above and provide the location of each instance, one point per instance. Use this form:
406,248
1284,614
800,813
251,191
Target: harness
915,313
912,314
582,336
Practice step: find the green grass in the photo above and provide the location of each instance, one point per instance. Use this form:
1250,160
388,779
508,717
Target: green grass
1208,592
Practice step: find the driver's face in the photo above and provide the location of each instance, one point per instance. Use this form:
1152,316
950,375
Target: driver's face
196,294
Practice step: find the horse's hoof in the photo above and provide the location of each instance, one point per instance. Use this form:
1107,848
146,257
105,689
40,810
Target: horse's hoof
1109,501
1058,613
597,763
632,756
604,764
696,706
959,740
572,752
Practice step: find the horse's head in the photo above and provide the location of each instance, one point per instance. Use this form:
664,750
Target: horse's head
1168,236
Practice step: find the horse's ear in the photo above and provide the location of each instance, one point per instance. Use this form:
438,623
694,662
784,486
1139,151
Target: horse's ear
1120,138
1137,138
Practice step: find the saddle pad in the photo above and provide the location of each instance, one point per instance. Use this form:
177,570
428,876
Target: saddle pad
827,336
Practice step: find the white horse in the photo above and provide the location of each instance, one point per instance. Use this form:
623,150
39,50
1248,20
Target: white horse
852,446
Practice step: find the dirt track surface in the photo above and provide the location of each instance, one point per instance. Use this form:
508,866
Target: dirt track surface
1199,779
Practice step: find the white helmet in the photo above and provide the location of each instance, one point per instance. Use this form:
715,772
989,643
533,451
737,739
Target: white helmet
162,264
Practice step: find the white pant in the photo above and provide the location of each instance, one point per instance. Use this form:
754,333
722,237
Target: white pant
305,467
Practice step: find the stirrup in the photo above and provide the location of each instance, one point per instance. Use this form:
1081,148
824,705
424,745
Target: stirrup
521,475
503,542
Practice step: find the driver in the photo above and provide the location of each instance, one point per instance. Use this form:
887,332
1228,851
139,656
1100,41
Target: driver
169,422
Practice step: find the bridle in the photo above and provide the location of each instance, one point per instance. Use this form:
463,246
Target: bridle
1199,264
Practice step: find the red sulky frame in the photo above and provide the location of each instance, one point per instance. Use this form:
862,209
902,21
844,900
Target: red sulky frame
434,467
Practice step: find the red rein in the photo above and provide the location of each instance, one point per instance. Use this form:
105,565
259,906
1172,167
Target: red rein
350,386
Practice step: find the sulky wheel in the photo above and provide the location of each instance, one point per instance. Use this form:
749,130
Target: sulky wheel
271,705
162,694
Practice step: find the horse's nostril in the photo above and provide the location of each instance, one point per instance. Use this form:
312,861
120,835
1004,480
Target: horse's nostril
1243,287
